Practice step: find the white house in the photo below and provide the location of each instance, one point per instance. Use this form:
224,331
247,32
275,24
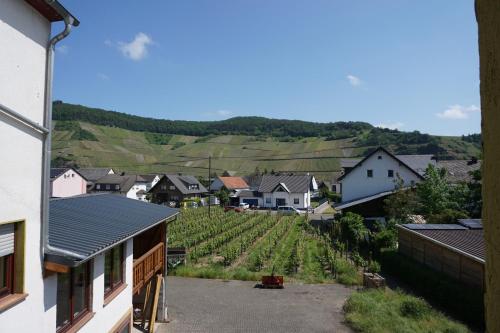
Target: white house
286,190
25,100
66,182
131,186
377,173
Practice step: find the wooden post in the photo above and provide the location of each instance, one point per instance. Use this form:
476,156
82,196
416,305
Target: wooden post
488,18
152,319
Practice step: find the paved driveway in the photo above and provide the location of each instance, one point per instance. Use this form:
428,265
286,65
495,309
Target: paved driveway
202,305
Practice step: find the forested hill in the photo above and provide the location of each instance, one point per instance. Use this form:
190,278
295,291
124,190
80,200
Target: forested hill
255,126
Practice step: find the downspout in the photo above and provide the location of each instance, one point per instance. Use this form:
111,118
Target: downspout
69,22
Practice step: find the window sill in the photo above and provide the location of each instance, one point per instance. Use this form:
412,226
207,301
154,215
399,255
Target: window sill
112,295
11,300
79,323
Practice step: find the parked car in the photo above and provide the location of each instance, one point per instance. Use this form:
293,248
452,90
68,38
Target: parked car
288,210
244,205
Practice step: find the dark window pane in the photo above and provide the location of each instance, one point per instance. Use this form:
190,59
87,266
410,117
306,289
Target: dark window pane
3,272
63,299
117,265
108,259
79,292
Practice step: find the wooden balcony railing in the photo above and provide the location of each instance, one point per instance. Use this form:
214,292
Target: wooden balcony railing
147,265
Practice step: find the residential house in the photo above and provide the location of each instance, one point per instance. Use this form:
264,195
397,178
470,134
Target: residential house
94,174
26,59
367,182
131,186
457,250
150,180
287,190
66,182
230,183
176,188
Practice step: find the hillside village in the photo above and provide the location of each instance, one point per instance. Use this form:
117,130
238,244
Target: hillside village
206,227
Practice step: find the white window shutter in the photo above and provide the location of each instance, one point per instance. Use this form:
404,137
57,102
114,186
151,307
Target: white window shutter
6,239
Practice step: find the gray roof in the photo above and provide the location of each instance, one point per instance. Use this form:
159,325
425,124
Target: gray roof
248,194
89,224
125,182
94,174
294,183
56,172
148,178
355,202
418,163
182,183
454,236
459,170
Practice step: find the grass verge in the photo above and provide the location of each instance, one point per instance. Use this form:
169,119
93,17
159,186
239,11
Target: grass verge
377,311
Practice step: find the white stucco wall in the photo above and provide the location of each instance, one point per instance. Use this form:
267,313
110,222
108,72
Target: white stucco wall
304,199
357,185
24,34
68,184
132,193
105,316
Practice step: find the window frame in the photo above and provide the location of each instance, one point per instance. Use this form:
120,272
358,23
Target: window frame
390,173
73,321
296,201
108,292
10,274
369,173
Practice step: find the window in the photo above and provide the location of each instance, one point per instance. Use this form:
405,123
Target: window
379,157
73,296
117,187
296,201
98,186
334,188
163,187
369,173
6,259
113,269
172,187
108,187
268,200
390,173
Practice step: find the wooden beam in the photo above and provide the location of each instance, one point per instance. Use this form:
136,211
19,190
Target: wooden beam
55,267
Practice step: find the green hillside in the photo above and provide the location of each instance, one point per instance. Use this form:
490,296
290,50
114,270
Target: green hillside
89,144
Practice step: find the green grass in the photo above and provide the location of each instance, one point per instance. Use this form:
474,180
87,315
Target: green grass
380,311
216,271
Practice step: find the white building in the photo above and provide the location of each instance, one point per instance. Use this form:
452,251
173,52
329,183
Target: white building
131,186
70,270
377,173
66,182
286,190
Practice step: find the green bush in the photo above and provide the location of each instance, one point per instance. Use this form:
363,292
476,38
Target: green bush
158,138
373,267
447,216
465,302
414,308
177,145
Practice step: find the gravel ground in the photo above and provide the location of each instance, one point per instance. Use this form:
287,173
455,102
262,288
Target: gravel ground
203,305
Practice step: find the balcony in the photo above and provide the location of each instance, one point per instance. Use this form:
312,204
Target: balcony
147,265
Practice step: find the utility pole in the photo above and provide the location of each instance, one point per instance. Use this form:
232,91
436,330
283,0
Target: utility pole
209,184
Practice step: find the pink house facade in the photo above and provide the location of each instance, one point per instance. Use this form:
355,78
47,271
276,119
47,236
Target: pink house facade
66,182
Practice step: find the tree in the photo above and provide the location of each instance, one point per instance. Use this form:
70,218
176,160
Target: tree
434,192
223,195
402,203
474,201
353,229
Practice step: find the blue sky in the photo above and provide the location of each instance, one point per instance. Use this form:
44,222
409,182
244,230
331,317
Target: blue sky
396,63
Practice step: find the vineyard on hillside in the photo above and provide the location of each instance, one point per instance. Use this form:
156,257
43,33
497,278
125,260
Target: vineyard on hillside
246,246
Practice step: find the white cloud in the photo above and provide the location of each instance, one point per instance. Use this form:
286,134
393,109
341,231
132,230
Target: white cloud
392,126
103,76
63,49
137,49
354,80
224,113
458,112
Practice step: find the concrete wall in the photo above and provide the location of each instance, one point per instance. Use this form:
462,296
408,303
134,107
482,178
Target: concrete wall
68,184
488,17
357,185
24,34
